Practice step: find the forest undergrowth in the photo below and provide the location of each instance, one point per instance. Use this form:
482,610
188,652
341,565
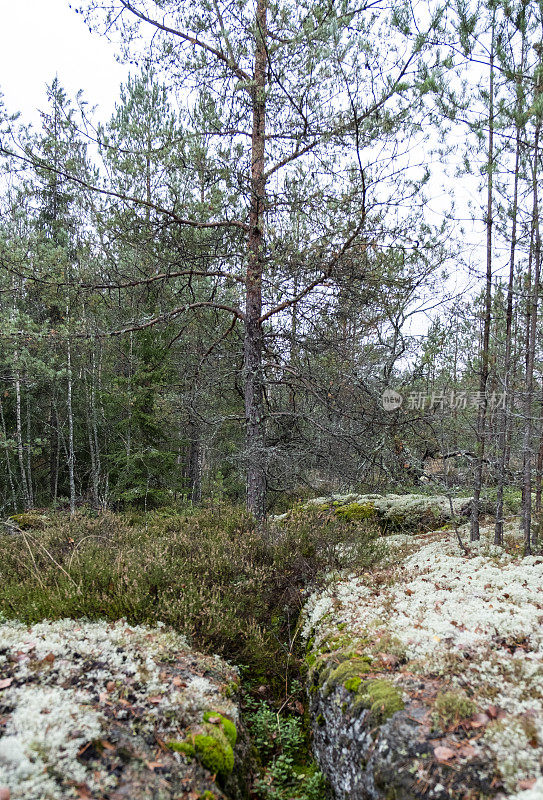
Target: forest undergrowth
231,588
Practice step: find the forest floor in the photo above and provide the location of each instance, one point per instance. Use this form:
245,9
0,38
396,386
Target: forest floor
458,635
459,638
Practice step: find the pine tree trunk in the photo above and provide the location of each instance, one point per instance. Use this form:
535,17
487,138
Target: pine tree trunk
8,461
533,298
482,412
71,453
195,468
253,343
19,439
504,409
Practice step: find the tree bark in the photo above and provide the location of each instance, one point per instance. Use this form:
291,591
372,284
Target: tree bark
253,343
482,412
503,412
533,298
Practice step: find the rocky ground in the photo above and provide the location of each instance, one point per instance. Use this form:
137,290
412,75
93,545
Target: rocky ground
114,712
426,677
406,513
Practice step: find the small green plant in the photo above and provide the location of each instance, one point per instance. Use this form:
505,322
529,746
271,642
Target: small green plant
287,772
453,706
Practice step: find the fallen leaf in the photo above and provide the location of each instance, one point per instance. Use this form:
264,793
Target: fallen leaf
106,745
177,681
110,686
388,660
152,765
479,720
155,699
443,754
467,751
5,794
299,707
526,783
49,658
5,683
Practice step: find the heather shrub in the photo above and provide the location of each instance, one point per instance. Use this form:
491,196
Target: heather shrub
209,573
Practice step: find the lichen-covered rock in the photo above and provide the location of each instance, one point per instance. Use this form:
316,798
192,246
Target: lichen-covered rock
426,676
93,710
27,521
395,513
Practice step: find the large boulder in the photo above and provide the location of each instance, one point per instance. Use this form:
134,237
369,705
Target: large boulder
426,676
100,710
394,513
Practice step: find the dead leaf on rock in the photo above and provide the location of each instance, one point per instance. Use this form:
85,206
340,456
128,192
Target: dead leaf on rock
443,754
388,660
5,793
479,720
155,699
106,745
49,658
214,720
5,683
177,681
467,751
526,783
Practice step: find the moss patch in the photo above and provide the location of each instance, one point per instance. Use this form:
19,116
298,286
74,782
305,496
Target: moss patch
214,752
355,512
28,521
353,684
381,698
183,747
226,725
453,706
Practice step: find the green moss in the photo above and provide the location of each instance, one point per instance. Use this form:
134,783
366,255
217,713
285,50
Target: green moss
214,753
183,747
380,697
354,512
207,795
230,689
453,706
310,659
387,643
320,721
28,521
353,684
227,726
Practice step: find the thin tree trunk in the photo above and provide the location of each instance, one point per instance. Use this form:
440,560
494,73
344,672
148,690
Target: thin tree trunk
253,343
19,438
71,453
8,462
504,410
29,453
533,298
482,412
195,467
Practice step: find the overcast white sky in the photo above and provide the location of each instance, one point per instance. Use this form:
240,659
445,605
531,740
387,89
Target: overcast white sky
44,38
